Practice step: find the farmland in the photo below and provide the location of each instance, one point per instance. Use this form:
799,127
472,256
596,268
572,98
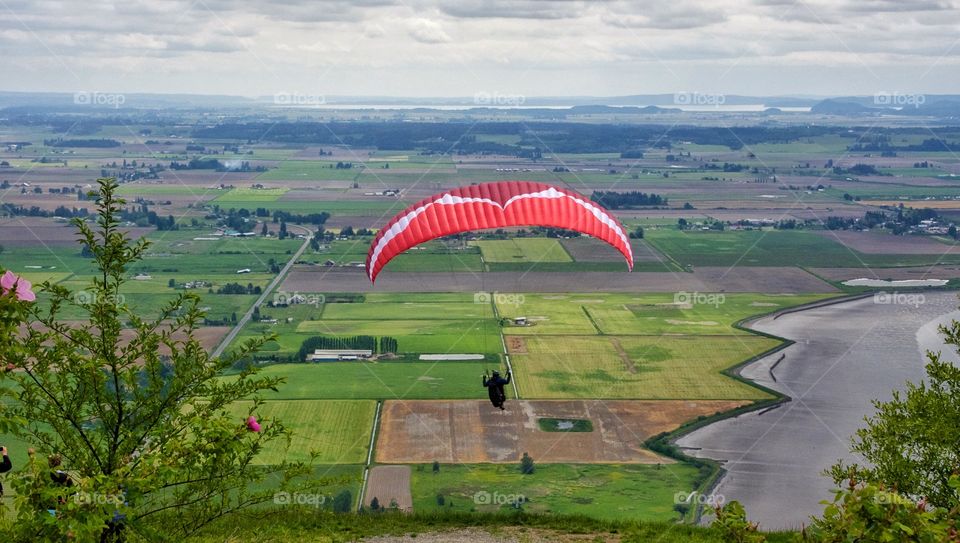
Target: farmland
602,491
635,367
455,432
739,232
421,324
338,431
523,250
382,380
778,248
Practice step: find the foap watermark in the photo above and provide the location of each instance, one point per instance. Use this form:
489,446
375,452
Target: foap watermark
86,297
284,298
892,498
298,99
84,98
500,298
914,299
684,98
497,98
483,497
97,498
898,99
699,498
699,298
300,498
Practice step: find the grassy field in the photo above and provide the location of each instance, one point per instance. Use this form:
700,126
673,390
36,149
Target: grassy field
416,336
650,346
642,314
631,367
317,170
523,250
430,256
383,380
338,431
599,491
240,196
421,323
773,248
172,188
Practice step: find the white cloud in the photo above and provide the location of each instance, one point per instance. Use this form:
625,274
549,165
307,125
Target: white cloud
428,31
546,47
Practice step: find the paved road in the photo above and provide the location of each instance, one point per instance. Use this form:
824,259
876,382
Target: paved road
266,292
845,356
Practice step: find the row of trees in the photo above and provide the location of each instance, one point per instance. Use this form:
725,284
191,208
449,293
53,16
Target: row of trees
626,200
383,344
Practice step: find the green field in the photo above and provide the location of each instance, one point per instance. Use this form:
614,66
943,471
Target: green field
649,368
643,314
523,250
774,248
564,425
314,170
239,196
382,380
430,256
601,491
337,431
172,188
416,336
421,323
650,346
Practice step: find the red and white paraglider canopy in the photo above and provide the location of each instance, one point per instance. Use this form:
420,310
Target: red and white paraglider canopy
494,205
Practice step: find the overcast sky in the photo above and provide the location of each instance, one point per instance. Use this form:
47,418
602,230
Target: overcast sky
465,47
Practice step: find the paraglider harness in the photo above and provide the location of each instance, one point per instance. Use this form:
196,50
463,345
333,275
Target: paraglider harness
495,389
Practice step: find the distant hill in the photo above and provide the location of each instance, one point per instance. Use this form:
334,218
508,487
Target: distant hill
843,107
932,105
598,109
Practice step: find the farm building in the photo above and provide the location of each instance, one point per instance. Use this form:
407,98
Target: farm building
329,355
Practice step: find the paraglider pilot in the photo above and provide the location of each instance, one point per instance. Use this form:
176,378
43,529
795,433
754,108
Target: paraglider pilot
495,386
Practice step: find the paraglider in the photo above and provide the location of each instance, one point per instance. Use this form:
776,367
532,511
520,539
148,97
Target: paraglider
495,389
494,205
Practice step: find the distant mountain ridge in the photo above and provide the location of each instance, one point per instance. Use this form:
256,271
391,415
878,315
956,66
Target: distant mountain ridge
898,104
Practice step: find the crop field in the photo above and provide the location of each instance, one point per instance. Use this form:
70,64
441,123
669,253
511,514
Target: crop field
523,250
431,256
773,248
378,380
416,336
421,323
389,485
172,188
337,431
238,196
312,170
651,346
602,491
417,431
628,367
427,308
644,314
294,202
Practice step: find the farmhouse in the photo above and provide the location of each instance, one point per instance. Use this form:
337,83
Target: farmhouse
328,355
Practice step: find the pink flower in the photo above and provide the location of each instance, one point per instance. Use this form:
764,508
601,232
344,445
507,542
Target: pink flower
9,281
253,425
